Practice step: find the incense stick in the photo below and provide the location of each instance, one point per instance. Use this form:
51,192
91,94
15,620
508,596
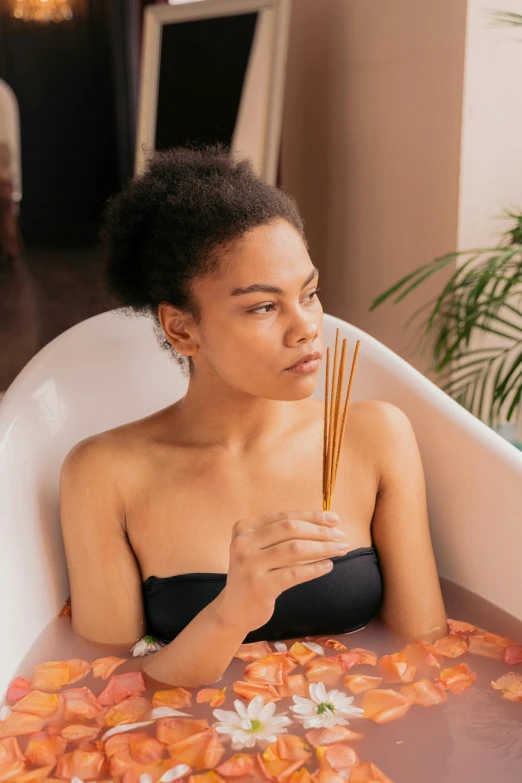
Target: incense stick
334,424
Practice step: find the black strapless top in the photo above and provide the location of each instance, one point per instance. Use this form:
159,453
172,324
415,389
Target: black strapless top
344,599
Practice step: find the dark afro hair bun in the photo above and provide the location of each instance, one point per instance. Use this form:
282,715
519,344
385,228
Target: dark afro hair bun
164,228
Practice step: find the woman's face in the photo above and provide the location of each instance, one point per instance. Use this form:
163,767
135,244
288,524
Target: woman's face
250,337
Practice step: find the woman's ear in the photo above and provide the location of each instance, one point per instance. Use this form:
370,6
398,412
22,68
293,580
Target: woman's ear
180,329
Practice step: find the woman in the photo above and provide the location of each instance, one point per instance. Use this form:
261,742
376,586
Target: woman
199,523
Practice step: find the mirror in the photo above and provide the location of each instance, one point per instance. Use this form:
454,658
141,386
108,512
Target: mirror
213,70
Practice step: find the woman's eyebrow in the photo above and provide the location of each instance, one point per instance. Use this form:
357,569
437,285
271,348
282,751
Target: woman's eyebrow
271,289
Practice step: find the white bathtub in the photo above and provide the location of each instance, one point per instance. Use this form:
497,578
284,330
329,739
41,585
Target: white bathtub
109,370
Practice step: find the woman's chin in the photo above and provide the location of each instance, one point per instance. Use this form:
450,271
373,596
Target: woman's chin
302,388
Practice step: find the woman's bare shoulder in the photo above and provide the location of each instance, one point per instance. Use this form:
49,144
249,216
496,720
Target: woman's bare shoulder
115,446
372,415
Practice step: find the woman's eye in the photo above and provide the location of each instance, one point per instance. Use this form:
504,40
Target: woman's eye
264,307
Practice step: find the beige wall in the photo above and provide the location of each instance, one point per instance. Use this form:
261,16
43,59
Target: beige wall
371,146
491,154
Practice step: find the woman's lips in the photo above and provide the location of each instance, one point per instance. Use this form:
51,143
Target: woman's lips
306,367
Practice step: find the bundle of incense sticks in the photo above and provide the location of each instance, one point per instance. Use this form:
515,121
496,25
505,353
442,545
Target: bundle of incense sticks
334,424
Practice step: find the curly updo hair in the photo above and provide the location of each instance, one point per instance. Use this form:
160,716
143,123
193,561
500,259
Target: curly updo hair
167,226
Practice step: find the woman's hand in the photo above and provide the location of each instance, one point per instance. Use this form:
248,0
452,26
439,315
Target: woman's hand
269,554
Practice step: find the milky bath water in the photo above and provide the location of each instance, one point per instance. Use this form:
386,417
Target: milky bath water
473,736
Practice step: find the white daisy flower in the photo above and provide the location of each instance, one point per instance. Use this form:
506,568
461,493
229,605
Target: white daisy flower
314,647
173,773
147,645
280,646
125,727
165,712
249,724
325,708
5,712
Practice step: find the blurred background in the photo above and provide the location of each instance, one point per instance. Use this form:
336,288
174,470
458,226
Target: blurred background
397,126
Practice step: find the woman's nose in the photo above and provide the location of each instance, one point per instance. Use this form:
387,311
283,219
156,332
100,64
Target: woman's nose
305,328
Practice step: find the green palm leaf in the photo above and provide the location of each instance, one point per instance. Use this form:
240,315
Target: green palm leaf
481,299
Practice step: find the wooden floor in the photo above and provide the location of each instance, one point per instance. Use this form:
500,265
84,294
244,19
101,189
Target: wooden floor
42,295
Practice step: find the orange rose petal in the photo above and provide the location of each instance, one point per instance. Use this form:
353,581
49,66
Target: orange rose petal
300,776
18,688
249,689
341,757
42,749
253,651
105,667
80,703
171,730
177,698
14,768
324,670
123,741
78,731
206,777
479,645
431,660
396,668
86,765
281,768
39,703
288,663
366,657
19,723
457,679
301,654
451,646
424,692
367,772
155,770
292,748
146,750
12,761
51,676
213,696
347,660
201,750
131,710
357,683
327,776
513,654
415,655
35,775
510,684
265,671
494,638
324,641
120,751
66,609
120,687
383,705
458,626
293,684
427,647
332,735
78,669
239,764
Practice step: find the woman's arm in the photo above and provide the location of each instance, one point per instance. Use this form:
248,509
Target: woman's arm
105,579
412,603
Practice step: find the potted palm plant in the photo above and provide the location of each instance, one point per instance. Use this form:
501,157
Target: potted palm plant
476,325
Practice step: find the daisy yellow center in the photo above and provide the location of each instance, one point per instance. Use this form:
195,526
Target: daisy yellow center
256,725
325,705
150,639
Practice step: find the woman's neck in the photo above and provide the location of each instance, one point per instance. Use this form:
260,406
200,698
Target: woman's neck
221,417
